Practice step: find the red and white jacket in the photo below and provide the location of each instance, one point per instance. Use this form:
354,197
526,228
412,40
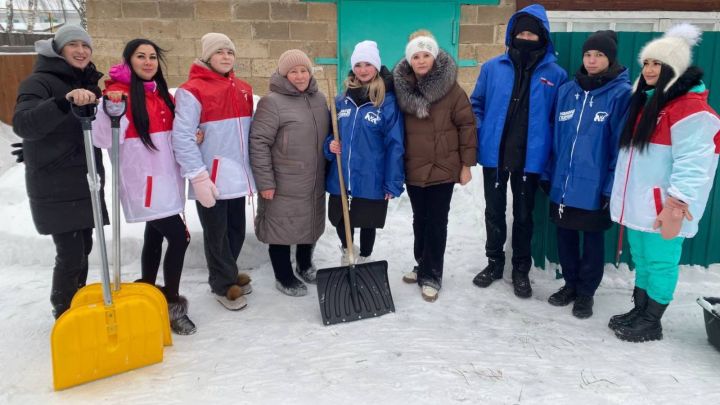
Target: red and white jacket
222,108
680,161
150,183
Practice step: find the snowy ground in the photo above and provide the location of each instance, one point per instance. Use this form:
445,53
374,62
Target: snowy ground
471,346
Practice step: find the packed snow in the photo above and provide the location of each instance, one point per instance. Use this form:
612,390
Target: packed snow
472,346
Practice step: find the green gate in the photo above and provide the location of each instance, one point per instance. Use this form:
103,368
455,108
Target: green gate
704,248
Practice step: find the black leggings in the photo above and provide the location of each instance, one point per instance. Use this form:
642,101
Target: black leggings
71,267
367,238
173,229
280,259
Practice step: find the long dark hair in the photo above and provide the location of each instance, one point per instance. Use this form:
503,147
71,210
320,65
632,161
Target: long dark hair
141,120
639,136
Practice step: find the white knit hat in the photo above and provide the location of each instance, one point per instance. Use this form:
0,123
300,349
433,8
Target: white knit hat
366,51
212,42
421,44
673,49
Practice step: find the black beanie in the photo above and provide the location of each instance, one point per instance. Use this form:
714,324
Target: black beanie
603,41
526,22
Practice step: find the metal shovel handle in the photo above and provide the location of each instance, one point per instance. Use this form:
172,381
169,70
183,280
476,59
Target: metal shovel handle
115,160
95,185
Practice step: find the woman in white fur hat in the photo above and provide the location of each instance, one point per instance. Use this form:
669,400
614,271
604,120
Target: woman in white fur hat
372,130
664,173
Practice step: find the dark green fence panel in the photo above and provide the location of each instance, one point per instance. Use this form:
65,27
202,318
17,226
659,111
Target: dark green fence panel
704,248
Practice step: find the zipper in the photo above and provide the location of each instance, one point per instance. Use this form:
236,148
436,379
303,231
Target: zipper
317,146
572,152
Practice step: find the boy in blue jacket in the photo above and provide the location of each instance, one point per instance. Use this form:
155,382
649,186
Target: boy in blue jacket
513,102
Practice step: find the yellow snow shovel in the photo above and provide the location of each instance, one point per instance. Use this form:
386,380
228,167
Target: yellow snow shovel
93,293
100,339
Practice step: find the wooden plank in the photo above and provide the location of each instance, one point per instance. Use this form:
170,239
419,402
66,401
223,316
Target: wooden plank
15,68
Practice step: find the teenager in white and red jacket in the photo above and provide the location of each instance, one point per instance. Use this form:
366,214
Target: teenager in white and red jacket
151,189
217,163
664,173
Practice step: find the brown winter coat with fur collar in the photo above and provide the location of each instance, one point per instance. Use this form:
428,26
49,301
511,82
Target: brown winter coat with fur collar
440,134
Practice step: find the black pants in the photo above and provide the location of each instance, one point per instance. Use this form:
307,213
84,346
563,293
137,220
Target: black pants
173,229
581,271
431,206
367,238
71,267
523,186
223,236
280,259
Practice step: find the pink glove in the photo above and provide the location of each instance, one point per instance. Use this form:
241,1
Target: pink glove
205,190
670,218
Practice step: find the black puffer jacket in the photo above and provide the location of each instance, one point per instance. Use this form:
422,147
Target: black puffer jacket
55,166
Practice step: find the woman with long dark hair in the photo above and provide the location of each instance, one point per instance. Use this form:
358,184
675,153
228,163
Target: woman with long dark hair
151,188
665,169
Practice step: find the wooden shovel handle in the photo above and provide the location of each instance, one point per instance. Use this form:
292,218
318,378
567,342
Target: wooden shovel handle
338,160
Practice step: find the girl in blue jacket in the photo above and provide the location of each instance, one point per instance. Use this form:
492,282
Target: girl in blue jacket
589,119
371,131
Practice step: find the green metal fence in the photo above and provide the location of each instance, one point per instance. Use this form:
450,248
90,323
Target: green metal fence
704,248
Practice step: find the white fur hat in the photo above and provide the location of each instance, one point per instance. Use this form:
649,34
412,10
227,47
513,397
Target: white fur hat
673,49
421,44
366,51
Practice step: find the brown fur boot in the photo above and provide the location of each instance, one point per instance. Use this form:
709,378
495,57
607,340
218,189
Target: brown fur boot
243,280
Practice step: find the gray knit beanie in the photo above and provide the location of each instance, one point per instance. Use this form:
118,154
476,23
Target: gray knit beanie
69,33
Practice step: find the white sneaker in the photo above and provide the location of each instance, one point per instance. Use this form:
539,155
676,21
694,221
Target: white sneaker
429,293
234,305
410,277
363,259
345,259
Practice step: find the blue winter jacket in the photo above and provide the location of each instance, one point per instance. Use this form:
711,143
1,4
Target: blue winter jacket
491,98
588,125
372,147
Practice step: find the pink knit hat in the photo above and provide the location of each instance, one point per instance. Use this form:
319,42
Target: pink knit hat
291,58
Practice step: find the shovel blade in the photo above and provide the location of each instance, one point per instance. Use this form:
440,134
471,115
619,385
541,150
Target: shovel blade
342,300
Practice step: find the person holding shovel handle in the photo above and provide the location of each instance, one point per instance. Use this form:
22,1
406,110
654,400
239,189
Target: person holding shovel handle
372,149
664,173
151,187
54,154
440,148
286,141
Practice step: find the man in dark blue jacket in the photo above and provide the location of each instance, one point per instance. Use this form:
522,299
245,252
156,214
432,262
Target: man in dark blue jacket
513,102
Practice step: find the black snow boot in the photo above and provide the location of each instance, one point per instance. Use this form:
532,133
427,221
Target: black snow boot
521,283
640,298
646,326
180,323
292,287
583,306
493,271
564,296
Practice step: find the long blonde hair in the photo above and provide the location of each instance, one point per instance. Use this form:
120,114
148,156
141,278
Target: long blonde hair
376,87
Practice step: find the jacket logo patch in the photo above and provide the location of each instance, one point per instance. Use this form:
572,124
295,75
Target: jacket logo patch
344,113
566,115
600,116
372,117
546,82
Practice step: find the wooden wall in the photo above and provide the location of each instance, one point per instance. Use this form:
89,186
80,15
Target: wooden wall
14,68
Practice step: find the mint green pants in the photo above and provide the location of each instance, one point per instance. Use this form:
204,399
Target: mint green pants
656,263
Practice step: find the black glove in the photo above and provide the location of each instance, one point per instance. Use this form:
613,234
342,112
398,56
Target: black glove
18,152
545,187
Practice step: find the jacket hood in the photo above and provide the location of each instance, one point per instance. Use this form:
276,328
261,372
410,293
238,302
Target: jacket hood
281,84
120,73
537,11
415,96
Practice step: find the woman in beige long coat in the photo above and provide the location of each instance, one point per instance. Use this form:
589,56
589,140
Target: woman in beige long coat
286,155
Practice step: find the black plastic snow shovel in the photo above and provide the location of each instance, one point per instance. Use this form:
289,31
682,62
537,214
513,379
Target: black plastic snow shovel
358,291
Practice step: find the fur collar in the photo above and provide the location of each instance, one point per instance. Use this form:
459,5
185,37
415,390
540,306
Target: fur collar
415,96
691,78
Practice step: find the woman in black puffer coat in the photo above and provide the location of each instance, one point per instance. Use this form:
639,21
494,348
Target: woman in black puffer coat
54,152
